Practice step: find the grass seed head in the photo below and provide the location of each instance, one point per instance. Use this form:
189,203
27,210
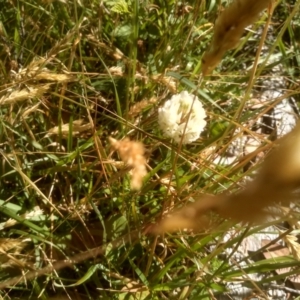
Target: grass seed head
229,28
24,94
77,127
132,153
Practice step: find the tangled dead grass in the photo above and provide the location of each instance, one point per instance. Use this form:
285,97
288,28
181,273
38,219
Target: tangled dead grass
276,182
10,252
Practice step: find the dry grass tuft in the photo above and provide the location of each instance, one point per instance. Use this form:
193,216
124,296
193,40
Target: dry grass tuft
10,249
167,81
133,154
139,106
24,94
77,127
229,28
276,182
113,52
47,75
36,70
293,245
116,71
32,75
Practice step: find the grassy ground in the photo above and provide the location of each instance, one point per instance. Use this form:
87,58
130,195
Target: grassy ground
74,73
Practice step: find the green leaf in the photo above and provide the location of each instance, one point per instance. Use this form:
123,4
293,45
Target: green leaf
85,277
118,6
11,206
139,272
123,31
116,226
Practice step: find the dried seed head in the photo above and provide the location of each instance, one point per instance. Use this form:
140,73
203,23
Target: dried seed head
132,153
229,28
77,127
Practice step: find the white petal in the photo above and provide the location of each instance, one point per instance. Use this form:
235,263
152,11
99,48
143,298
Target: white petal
181,109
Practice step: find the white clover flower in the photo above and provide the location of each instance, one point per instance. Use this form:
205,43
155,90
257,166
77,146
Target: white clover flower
182,115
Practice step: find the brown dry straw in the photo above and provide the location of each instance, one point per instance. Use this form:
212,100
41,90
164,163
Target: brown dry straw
229,28
61,264
276,182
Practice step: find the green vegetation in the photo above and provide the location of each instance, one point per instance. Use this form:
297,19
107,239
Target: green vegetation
72,74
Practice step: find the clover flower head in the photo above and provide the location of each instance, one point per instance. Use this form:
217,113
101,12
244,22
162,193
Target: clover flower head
182,118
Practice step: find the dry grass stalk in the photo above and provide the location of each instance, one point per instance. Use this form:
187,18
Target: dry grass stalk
64,43
229,28
167,81
31,109
133,154
47,75
276,182
139,106
24,94
293,245
114,52
132,236
10,249
77,127
116,71
36,70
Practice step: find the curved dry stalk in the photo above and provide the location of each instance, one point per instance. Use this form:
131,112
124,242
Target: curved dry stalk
61,264
276,182
229,28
